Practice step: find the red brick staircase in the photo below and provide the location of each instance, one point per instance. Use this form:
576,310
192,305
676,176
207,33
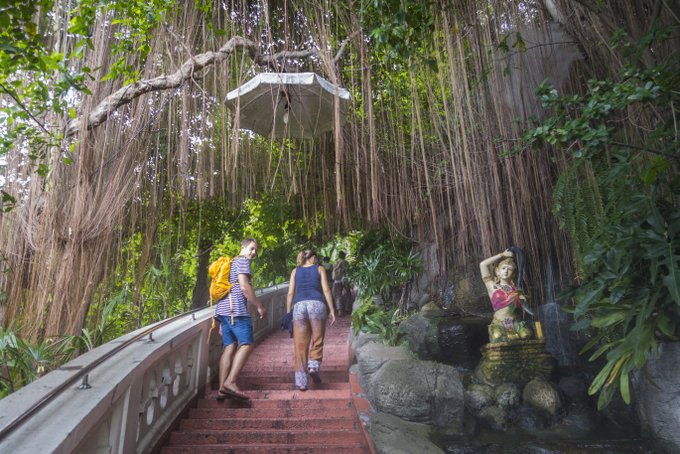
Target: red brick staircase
279,418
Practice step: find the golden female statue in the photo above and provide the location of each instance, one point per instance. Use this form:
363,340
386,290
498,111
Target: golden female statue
506,296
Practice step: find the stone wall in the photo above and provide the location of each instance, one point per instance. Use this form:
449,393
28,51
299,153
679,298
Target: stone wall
657,397
410,397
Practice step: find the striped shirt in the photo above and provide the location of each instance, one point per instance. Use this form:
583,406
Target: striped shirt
240,265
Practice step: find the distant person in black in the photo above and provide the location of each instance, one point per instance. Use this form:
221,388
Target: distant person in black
326,263
342,297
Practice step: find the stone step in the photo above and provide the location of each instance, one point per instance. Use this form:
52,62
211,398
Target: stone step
287,356
311,393
342,392
320,404
273,412
285,371
285,448
264,363
290,386
331,345
346,423
245,380
293,437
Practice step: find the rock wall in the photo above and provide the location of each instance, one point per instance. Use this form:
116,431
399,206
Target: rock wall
410,397
453,340
401,385
657,397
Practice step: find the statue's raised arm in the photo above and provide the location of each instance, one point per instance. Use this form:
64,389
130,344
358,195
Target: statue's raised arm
499,275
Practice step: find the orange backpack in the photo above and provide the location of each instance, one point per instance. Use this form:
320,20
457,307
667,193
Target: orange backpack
220,286
219,273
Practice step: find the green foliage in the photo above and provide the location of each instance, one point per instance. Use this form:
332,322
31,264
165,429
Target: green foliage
280,233
371,318
21,362
166,290
134,22
586,124
34,81
7,202
132,301
399,29
345,243
102,331
587,197
631,291
619,204
381,264
21,44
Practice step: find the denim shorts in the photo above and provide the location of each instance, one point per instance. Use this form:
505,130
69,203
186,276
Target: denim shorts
241,331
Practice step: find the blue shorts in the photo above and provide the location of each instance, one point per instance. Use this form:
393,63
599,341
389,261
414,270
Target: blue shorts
241,331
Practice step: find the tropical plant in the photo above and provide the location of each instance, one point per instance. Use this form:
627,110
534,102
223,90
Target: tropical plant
631,292
380,268
340,243
22,362
382,265
619,204
105,328
153,283
371,318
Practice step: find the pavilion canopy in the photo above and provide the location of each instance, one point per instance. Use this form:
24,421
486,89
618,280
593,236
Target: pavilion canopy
295,105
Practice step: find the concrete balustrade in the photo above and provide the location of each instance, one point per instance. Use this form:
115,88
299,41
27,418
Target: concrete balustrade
127,402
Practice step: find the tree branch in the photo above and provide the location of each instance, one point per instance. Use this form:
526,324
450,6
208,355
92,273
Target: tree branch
24,108
645,149
343,45
195,64
126,94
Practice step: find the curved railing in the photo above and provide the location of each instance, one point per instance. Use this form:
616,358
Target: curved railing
124,395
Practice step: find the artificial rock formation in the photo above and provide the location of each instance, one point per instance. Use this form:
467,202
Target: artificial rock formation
516,362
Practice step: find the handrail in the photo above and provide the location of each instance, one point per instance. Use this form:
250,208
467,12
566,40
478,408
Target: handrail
137,388
18,420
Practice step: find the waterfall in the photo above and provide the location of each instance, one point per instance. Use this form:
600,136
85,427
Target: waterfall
560,341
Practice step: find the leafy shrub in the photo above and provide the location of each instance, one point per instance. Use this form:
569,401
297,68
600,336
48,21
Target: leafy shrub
371,318
21,362
380,267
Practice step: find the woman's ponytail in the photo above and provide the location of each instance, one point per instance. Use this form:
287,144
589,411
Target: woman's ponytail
305,255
